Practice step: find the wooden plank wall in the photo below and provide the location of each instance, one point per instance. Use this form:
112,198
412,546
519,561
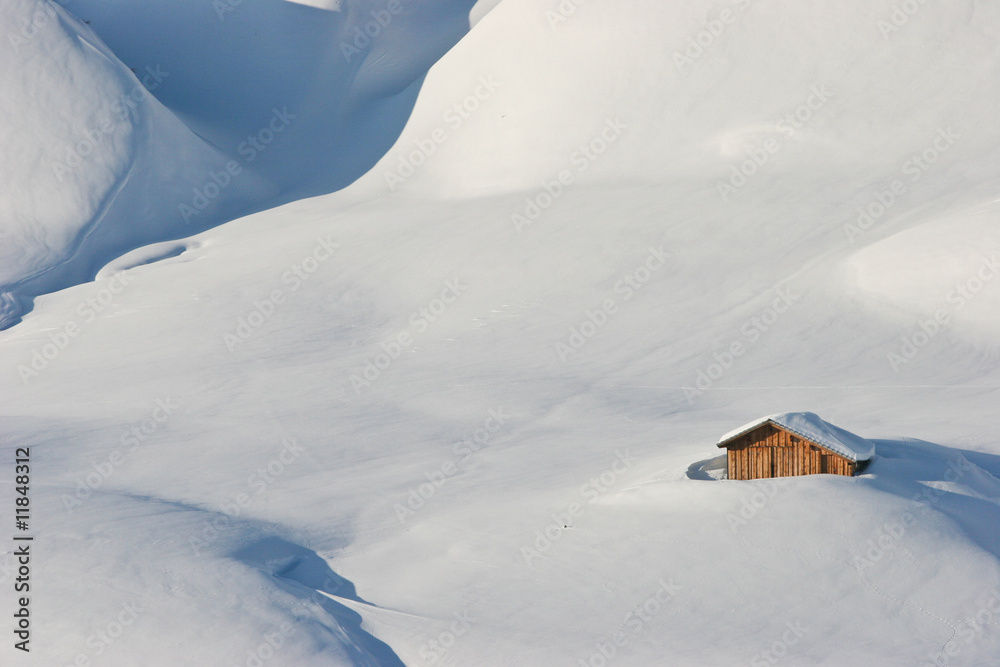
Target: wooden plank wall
773,452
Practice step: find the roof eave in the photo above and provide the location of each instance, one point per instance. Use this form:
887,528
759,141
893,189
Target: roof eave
751,429
850,457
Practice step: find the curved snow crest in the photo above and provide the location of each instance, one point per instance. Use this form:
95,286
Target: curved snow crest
94,164
349,77
98,166
693,109
958,255
64,147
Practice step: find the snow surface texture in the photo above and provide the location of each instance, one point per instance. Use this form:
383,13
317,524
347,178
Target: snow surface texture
93,164
283,103
463,411
809,425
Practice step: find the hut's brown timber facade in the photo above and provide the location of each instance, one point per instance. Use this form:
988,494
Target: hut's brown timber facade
771,451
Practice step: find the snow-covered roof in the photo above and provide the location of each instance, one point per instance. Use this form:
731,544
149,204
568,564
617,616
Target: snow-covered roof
810,426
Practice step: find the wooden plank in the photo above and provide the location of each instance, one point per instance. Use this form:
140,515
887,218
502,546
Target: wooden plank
774,452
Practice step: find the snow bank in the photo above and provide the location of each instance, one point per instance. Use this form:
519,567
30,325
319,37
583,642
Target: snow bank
94,164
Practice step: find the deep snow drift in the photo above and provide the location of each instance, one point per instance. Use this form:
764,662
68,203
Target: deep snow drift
464,411
280,101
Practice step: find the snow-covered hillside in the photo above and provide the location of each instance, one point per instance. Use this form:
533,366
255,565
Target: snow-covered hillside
280,101
94,165
463,411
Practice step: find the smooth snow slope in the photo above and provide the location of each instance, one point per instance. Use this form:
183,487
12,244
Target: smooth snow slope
401,424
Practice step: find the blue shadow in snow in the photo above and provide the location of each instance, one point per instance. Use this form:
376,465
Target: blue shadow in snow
922,472
302,573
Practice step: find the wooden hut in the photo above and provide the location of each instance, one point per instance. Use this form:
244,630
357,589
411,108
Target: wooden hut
793,443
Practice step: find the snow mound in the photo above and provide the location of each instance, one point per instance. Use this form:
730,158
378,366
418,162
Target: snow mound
945,266
94,164
831,93
284,100
342,76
